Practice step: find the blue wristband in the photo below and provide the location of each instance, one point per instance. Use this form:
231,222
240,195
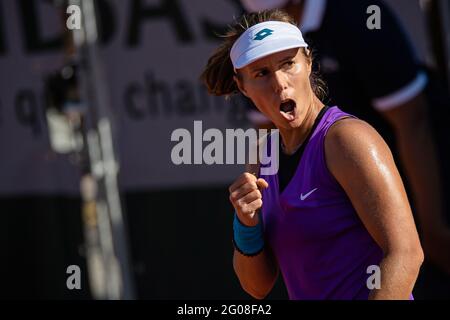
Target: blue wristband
248,240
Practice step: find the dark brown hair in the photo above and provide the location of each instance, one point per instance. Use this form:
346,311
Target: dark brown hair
218,73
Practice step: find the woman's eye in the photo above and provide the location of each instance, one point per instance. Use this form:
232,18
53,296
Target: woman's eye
289,63
261,73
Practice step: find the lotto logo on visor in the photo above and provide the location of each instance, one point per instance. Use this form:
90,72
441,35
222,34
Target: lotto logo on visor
264,39
262,34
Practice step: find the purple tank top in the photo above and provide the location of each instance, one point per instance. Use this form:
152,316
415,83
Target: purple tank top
321,246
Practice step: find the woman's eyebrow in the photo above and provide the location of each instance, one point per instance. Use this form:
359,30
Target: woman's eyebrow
255,69
259,68
286,58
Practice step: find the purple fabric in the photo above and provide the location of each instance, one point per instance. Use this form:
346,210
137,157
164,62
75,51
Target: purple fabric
321,246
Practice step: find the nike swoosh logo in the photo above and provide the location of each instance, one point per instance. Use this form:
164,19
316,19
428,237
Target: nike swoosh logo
303,197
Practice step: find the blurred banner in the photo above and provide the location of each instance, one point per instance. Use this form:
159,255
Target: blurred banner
154,51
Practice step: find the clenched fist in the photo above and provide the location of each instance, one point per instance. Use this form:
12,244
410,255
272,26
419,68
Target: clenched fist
246,198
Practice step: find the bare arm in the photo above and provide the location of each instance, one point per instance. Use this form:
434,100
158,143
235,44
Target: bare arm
362,163
256,274
418,155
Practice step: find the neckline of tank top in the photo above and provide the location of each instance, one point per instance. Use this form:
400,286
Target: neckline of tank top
303,145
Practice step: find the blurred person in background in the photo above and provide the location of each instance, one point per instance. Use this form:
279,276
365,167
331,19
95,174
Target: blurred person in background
376,76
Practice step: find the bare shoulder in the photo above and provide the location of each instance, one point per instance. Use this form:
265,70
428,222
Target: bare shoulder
353,140
350,129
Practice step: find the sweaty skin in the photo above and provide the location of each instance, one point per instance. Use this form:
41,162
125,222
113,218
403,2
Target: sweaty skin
363,165
417,149
356,156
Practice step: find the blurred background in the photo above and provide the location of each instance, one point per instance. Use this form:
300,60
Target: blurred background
86,176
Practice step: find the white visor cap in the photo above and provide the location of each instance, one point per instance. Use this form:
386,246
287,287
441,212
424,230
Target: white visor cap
264,39
260,5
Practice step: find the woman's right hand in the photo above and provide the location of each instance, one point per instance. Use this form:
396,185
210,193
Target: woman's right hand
246,198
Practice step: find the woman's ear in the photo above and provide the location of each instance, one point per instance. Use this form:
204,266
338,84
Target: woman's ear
240,85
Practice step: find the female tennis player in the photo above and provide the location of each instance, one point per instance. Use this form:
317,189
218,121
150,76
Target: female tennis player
335,219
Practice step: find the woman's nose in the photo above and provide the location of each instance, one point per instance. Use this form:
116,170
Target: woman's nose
279,81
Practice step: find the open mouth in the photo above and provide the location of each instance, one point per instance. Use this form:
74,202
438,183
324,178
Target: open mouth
287,106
